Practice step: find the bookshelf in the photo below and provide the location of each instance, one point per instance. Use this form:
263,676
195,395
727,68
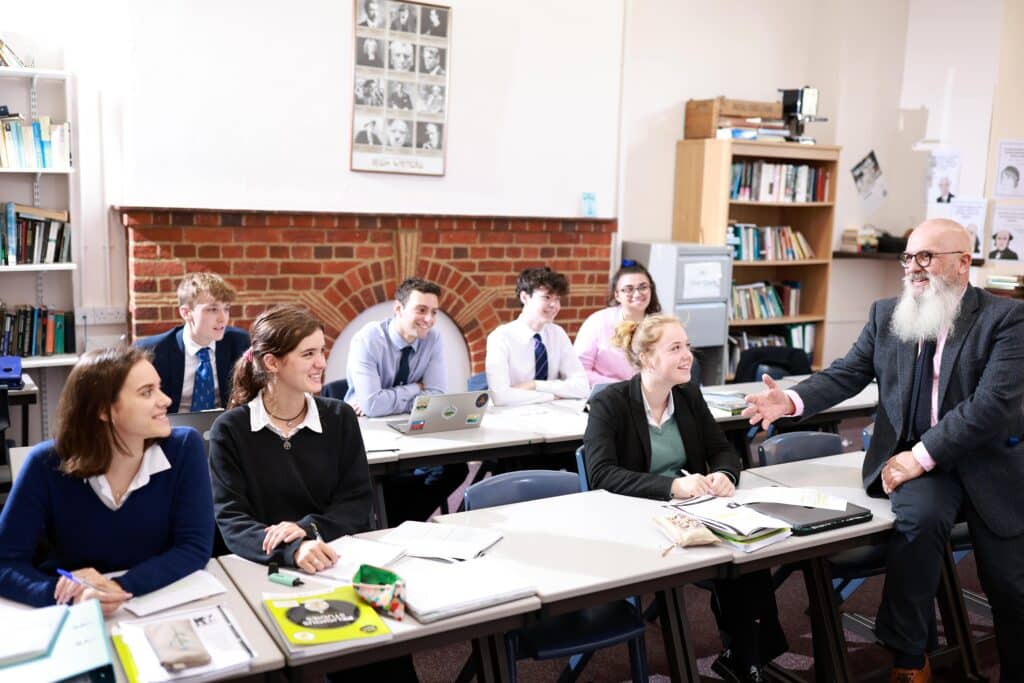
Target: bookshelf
705,207
36,93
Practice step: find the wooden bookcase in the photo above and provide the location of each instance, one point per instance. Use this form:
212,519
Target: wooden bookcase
703,210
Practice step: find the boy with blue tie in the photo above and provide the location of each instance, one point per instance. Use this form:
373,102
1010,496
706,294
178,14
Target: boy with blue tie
195,359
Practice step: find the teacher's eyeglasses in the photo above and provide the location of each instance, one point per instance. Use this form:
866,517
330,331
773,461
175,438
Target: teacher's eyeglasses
923,258
629,290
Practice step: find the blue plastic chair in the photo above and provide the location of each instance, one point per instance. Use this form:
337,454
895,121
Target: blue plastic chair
336,389
576,635
581,468
477,382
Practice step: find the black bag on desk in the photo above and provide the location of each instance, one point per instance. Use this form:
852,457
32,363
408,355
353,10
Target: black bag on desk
10,372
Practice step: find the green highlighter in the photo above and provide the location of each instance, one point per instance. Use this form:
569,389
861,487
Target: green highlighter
285,580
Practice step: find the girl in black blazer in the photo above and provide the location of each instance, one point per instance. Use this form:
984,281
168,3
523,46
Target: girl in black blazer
653,436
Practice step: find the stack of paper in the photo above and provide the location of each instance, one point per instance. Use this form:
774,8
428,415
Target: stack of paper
80,649
216,628
196,586
731,403
735,524
353,552
441,541
32,631
436,590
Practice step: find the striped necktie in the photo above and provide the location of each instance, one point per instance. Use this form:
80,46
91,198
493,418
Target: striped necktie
540,358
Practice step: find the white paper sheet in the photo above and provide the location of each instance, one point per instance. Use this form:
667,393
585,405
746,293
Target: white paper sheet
196,586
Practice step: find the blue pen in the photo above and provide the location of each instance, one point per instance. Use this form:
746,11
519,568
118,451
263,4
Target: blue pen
81,582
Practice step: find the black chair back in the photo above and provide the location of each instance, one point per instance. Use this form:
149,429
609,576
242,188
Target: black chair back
336,389
783,360
796,446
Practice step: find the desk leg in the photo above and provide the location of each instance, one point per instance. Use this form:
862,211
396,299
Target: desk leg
826,625
956,623
24,424
682,660
378,501
490,657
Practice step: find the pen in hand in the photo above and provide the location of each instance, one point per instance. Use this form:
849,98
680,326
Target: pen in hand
109,596
81,582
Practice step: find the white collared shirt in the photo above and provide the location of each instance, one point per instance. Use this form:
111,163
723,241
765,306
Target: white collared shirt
510,361
260,418
153,461
670,410
191,365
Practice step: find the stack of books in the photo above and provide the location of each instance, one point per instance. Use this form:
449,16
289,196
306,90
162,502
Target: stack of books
763,181
8,57
38,144
1005,282
32,235
763,300
36,331
752,242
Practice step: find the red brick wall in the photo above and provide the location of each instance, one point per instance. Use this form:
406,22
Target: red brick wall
341,264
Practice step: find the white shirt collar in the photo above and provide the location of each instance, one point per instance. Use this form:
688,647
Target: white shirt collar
191,347
260,418
670,410
524,331
154,461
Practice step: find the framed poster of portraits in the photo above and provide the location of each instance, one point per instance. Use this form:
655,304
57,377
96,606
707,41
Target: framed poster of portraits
400,87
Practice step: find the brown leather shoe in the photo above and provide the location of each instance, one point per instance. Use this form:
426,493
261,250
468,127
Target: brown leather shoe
912,675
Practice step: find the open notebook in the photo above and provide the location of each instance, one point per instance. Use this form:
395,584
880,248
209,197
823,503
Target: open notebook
441,541
438,590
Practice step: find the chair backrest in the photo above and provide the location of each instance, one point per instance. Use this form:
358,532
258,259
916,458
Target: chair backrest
336,389
784,358
773,371
477,382
798,446
515,487
865,436
581,468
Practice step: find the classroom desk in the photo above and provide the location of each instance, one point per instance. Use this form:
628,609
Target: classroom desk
27,396
840,475
484,627
590,548
268,656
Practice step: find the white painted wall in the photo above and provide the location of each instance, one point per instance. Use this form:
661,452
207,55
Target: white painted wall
246,104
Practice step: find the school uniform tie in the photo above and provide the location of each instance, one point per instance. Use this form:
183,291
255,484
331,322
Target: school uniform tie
919,419
540,358
402,376
202,389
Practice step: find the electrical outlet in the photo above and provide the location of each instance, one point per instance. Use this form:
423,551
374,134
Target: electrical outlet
101,315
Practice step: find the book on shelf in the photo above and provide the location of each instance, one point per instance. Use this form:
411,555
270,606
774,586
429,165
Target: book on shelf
765,181
35,331
752,242
39,144
31,235
325,620
8,57
1007,282
212,632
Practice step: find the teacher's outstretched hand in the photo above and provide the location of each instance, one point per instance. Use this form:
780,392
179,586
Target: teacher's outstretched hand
769,405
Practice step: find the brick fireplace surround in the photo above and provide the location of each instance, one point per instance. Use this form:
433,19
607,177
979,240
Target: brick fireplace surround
340,264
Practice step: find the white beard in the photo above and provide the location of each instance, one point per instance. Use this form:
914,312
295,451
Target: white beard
924,316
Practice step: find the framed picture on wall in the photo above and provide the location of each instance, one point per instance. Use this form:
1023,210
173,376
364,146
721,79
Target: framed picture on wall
400,87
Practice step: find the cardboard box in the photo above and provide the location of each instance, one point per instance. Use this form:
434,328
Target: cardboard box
704,117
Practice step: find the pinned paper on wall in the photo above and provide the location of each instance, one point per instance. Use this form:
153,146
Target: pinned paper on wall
1009,169
943,176
702,280
968,212
867,176
1007,233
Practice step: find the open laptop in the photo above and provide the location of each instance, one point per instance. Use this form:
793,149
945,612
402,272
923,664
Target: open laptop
201,421
444,412
808,520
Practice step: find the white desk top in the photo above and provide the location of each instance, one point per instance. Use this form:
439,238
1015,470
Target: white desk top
268,656
837,475
378,437
251,579
584,543
867,398
28,388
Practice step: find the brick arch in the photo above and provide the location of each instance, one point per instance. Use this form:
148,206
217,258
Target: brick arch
469,306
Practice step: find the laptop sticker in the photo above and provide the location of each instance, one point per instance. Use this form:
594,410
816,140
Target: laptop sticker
481,400
416,425
449,412
473,418
421,403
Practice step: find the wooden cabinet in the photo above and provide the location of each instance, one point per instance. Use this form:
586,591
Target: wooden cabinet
704,208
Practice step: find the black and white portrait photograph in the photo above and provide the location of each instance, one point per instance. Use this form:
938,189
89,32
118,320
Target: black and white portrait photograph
431,99
399,133
368,92
369,14
401,56
369,131
399,96
428,135
433,21
401,92
432,60
403,17
370,52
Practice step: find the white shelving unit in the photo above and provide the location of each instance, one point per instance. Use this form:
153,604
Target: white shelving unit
34,92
